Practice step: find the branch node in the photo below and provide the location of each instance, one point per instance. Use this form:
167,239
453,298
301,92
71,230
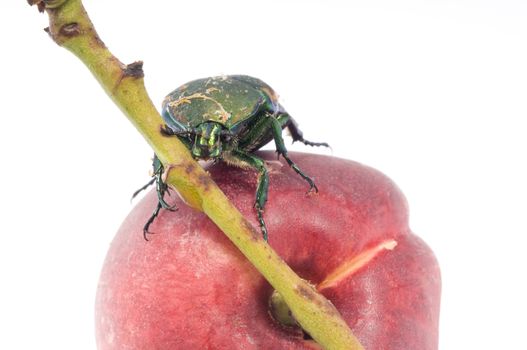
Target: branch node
134,70
70,30
46,4
53,4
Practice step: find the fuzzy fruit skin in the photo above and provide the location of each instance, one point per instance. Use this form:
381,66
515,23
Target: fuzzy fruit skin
190,288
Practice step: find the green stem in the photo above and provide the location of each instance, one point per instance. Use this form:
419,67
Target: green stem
71,28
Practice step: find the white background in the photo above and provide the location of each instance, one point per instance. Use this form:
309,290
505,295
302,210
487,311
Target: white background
432,93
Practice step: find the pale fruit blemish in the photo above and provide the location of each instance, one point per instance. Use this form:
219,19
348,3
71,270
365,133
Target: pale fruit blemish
274,166
349,267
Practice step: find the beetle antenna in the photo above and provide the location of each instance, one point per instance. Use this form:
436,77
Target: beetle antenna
167,131
186,132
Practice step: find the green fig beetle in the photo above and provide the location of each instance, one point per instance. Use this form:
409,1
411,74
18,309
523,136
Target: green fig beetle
227,118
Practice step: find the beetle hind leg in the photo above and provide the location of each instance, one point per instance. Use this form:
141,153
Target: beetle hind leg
282,151
262,188
297,134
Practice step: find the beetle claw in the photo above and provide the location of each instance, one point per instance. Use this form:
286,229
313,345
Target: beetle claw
145,233
150,220
312,187
167,206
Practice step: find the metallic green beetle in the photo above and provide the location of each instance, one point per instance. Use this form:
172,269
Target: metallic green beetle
227,118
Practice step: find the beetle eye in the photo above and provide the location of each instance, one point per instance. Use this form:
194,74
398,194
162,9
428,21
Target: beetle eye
226,135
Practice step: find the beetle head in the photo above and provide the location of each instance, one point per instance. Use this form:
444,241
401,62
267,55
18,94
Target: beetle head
208,140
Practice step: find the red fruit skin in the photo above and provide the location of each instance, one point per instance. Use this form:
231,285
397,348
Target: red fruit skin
188,287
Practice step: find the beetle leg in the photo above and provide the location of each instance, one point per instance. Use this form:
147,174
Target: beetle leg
262,188
161,190
148,184
151,220
281,150
161,186
297,134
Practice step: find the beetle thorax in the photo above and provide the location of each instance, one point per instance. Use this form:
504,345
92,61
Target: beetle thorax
207,142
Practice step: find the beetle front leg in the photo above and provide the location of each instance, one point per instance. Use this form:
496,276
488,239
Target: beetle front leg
263,185
148,184
281,150
297,134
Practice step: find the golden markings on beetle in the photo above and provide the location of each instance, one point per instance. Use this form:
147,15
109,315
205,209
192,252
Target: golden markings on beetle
222,113
211,89
351,266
